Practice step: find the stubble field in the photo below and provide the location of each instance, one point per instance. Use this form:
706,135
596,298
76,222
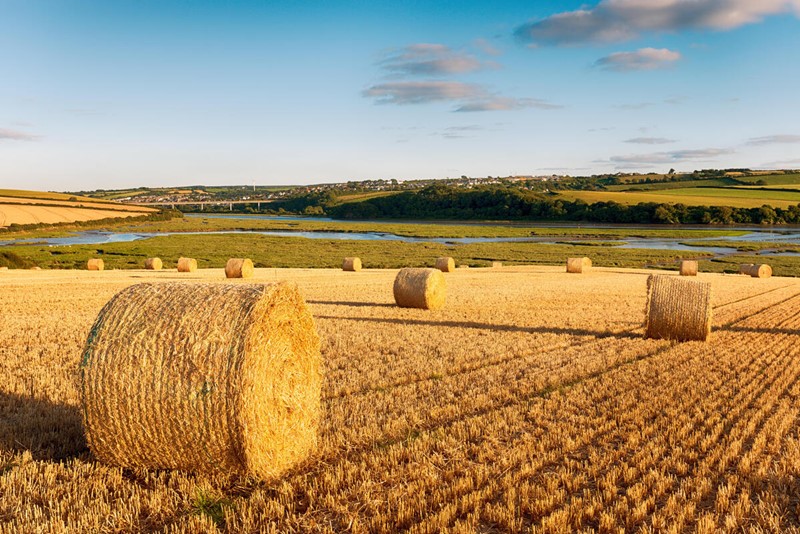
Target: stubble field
530,403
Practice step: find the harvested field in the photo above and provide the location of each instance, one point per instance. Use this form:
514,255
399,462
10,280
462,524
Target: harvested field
521,404
12,213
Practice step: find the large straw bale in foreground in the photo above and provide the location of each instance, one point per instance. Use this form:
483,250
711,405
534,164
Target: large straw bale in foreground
688,268
446,264
578,265
420,288
153,264
758,270
208,377
239,268
351,264
95,264
677,308
187,265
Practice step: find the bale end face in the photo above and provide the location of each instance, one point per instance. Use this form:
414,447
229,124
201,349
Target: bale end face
351,264
420,288
203,378
239,268
677,309
578,265
187,265
688,268
445,264
95,264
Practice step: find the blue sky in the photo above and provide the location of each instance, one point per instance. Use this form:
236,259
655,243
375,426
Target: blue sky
127,93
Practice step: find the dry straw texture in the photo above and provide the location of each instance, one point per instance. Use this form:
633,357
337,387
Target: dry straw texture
688,268
497,264
677,308
204,378
3,268
446,264
758,270
578,265
420,288
351,264
239,268
95,264
153,264
187,265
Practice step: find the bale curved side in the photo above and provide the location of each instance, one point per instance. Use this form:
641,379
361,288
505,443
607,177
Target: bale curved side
420,288
239,268
446,264
203,378
688,268
677,308
153,264
351,264
95,264
745,268
187,265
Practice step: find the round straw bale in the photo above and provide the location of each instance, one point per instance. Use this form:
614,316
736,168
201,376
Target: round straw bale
187,265
351,264
203,378
677,308
446,264
95,264
419,288
4,268
153,264
744,268
36,268
578,265
239,268
757,270
688,268
497,264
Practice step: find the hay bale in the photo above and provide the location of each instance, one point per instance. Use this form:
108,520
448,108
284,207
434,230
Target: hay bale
446,264
677,308
95,264
239,268
351,264
757,270
463,266
153,264
497,264
36,268
419,288
688,268
187,265
4,268
578,265
203,378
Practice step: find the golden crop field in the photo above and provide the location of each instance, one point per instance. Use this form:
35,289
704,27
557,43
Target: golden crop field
530,403
15,213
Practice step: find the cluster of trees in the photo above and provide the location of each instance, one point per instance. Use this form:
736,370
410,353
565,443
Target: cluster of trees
440,202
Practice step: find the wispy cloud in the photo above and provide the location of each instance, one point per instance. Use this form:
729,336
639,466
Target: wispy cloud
504,103
428,59
422,92
774,140
642,59
486,47
468,97
16,135
613,21
650,141
675,156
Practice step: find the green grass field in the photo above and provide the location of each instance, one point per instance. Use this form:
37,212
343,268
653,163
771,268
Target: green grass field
772,179
737,198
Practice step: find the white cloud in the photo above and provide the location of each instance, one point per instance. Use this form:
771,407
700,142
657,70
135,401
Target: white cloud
427,59
642,59
502,103
650,141
676,156
621,20
423,92
774,140
16,135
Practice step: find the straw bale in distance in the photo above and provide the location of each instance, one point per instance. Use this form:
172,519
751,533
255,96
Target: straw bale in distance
677,308
153,264
36,268
688,268
95,264
187,265
351,264
239,268
446,264
3,268
203,378
578,265
420,288
757,270
497,264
